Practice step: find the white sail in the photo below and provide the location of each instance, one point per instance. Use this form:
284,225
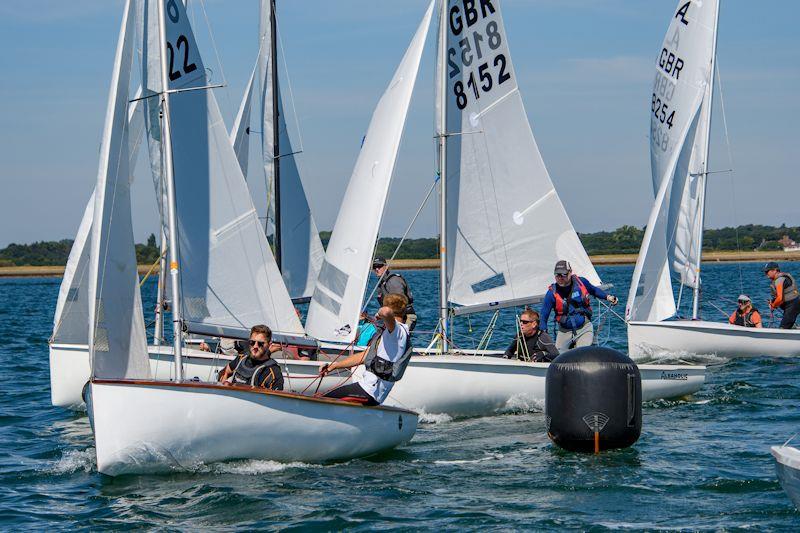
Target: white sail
71,319
229,278
684,69
336,303
679,122
117,342
506,226
301,250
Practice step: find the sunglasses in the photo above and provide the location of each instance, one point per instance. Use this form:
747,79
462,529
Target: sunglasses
561,275
261,344
527,321
744,301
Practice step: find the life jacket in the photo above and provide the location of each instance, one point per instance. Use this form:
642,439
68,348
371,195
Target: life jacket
789,289
745,319
244,374
385,369
577,303
406,291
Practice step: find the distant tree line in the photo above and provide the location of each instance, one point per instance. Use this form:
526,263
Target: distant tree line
624,240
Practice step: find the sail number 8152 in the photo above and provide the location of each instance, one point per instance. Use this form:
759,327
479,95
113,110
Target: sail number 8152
470,48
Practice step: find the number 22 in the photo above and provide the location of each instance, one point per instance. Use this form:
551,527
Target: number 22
187,67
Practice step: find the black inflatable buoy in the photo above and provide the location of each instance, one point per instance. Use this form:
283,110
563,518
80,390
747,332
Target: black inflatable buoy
593,400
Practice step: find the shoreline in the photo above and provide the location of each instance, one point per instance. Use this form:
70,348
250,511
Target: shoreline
431,264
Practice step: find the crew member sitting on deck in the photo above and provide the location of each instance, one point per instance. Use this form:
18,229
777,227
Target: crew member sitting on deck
533,344
385,359
569,296
257,369
746,315
784,294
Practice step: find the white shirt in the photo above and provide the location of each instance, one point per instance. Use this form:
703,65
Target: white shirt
391,347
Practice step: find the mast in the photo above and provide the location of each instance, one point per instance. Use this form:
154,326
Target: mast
172,216
704,170
442,139
276,166
162,271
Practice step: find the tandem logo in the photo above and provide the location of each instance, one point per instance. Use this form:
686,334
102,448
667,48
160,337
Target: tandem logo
470,14
675,376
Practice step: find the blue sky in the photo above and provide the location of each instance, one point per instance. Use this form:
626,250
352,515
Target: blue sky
584,68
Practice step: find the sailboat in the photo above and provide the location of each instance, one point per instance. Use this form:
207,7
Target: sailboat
680,124
298,249
495,191
787,466
145,425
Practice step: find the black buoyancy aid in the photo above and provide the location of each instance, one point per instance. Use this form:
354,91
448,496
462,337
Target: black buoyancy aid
789,287
576,303
255,375
383,368
745,319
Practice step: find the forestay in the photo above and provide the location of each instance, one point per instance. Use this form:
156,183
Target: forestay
506,226
679,127
117,342
301,248
336,303
228,277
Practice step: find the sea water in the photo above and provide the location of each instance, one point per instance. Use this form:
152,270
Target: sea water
701,462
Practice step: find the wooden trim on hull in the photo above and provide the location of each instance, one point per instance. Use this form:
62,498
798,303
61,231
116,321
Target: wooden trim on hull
247,389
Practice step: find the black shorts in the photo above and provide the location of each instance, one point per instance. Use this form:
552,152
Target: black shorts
353,390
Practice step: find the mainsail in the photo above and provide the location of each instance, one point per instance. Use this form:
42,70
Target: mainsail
301,251
680,115
506,226
336,303
229,278
117,342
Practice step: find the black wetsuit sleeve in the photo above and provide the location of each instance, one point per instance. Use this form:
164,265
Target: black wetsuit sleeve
231,366
547,345
511,350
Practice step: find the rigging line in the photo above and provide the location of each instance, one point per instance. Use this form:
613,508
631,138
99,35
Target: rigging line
216,54
402,239
730,165
289,85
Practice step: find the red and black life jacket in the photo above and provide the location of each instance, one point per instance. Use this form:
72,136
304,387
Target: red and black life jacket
565,308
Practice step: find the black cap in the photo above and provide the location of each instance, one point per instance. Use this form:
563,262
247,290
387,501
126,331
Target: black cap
772,265
378,262
562,267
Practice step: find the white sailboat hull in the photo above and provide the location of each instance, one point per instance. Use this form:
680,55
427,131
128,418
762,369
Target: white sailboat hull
149,427
455,385
787,466
700,337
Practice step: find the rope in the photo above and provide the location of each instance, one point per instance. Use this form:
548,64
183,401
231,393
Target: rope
399,244
152,268
319,377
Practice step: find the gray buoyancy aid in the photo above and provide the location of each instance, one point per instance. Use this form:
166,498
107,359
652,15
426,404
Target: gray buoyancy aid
384,369
789,287
406,290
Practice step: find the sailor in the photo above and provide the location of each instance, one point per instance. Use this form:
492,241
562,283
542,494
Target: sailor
394,283
569,297
784,294
257,369
532,344
745,314
385,359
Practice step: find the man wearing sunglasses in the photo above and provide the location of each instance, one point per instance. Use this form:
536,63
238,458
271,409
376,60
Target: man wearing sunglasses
394,283
569,298
257,369
532,344
745,315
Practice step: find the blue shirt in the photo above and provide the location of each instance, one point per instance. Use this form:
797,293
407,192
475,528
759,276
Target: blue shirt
550,301
365,332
